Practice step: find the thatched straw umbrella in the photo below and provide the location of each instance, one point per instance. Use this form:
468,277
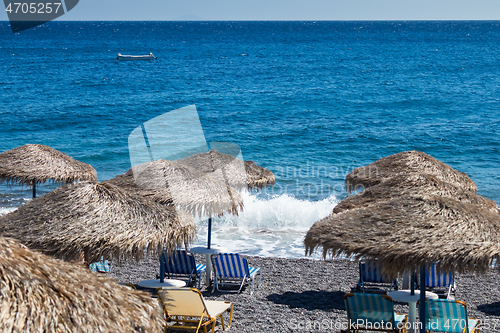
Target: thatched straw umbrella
34,164
412,220
257,176
402,185
43,294
176,184
230,170
127,182
99,219
405,163
239,174
411,231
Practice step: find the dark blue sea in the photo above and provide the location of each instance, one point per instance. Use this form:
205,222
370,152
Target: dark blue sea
308,100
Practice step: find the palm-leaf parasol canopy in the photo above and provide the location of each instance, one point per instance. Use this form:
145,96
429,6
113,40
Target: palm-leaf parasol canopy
410,231
406,163
35,164
127,182
238,174
44,294
99,219
412,184
176,184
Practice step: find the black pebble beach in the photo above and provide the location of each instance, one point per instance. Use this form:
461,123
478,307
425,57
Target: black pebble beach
305,295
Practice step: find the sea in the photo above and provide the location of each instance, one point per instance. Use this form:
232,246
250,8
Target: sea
308,100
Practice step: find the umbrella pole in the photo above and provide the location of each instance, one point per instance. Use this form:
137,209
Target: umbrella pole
162,267
422,298
147,142
34,190
413,282
209,232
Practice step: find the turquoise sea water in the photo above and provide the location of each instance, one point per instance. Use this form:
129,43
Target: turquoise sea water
308,100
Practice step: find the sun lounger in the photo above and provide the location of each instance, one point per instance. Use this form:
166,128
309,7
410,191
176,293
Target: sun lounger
450,316
181,304
102,266
230,269
436,282
370,277
367,311
182,264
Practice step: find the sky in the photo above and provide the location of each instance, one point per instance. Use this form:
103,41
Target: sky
234,10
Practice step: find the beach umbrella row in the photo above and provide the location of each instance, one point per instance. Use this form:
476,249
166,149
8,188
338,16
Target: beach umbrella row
201,184
34,164
44,294
428,214
118,219
101,219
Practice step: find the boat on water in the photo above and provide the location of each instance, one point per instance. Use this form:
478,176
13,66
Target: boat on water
135,57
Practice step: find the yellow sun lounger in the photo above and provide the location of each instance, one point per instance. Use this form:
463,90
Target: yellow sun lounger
181,304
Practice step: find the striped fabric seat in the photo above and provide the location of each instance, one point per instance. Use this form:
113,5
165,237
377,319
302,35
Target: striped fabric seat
373,311
102,266
449,316
443,280
230,268
369,273
182,263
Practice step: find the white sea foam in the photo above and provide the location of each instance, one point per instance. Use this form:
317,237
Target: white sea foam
6,210
272,227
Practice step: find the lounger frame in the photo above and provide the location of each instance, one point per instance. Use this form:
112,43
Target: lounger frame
370,276
231,270
181,264
435,281
197,308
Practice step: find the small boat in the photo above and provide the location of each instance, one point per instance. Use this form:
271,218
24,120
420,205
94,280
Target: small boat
135,57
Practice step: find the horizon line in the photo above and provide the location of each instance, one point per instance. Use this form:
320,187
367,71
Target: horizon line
277,20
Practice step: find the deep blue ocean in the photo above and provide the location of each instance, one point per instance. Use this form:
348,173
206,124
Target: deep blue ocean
308,100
